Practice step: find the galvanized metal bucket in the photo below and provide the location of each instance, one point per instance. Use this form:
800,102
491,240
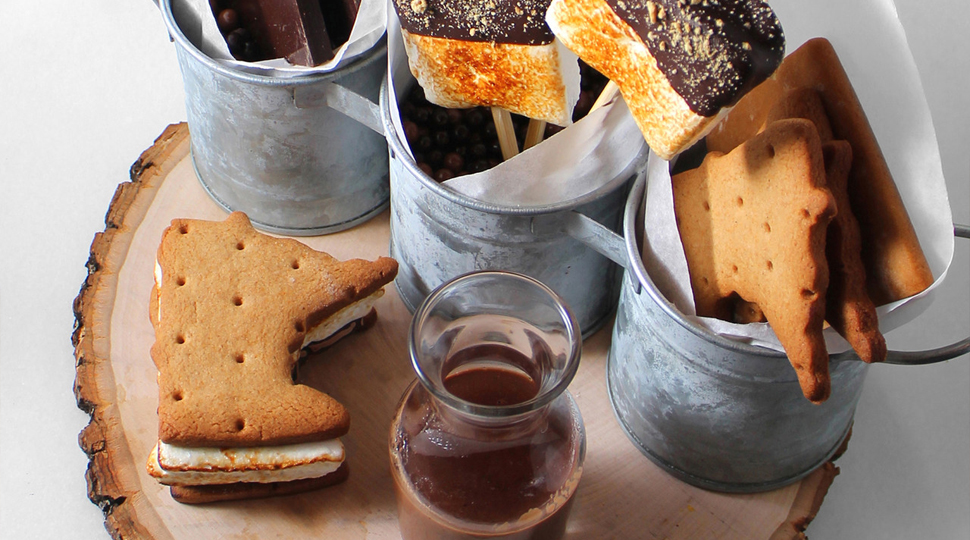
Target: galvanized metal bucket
300,155
438,234
714,412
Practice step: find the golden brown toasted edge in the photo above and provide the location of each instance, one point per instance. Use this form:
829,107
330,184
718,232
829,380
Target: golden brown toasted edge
234,316
896,266
253,490
753,224
848,307
523,79
615,50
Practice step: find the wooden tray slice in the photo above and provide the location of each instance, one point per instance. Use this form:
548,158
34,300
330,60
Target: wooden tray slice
622,494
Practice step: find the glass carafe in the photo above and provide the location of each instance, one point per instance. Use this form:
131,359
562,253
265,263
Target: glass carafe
487,442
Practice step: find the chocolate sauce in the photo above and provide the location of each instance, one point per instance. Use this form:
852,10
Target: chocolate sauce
459,479
520,22
711,51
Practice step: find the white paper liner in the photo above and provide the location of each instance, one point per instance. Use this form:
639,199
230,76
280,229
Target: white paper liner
574,162
871,44
368,29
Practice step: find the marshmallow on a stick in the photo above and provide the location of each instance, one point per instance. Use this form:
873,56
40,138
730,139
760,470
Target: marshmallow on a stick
494,53
678,63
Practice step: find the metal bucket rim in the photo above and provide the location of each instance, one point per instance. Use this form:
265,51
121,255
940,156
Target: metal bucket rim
254,78
630,216
397,146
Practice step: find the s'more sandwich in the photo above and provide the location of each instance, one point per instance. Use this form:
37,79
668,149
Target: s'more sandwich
232,310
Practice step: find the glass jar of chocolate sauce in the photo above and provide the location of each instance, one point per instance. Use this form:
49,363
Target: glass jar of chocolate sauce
487,442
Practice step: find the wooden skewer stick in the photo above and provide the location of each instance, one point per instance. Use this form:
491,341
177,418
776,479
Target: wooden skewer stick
537,128
609,92
506,132
534,134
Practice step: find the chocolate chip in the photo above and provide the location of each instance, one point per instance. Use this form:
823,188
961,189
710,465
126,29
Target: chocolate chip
439,117
236,40
474,117
495,149
410,131
455,116
478,166
251,51
422,115
454,162
442,139
460,133
425,143
228,20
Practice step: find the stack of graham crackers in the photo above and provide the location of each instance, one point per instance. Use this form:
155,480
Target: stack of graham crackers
793,217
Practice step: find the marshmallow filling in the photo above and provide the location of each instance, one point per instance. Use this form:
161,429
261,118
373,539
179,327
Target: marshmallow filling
196,466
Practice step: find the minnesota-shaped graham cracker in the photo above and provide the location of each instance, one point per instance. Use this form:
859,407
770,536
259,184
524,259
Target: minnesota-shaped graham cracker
753,224
896,267
848,307
231,312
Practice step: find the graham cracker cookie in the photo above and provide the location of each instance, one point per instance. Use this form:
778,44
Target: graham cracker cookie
896,267
753,223
254,490
233,310
848,307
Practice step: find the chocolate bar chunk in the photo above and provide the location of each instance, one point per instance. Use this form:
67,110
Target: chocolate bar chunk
339,15
290,29
304,32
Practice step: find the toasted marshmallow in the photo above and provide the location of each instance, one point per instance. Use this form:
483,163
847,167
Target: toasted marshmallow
195,466
499,53
536,81
342,318
679,65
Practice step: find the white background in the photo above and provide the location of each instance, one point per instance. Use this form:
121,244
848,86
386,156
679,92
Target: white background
87,86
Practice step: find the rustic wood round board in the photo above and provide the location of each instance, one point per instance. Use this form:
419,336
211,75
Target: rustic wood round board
622,494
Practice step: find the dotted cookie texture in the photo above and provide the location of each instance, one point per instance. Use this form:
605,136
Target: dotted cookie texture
230,316
753,223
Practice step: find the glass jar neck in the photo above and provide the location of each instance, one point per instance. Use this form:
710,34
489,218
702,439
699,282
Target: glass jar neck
494,345
497,426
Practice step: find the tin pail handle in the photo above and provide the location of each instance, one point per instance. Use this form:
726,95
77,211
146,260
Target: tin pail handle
613,246
598,237
931,356
342,100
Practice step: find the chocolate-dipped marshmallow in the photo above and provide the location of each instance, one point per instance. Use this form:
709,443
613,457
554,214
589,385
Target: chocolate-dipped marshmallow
495,53
678,63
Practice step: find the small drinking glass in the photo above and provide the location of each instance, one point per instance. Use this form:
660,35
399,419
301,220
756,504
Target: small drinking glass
487,442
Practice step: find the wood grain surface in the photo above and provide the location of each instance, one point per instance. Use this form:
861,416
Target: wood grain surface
622,494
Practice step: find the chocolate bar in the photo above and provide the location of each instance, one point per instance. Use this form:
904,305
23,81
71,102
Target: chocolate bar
304,32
